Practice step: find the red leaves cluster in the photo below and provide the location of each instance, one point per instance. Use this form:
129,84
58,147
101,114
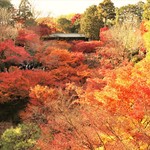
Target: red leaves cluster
13,86
60,118
26,36
16,85
143,28
75,18
64,66
44,30
87,47
51,108
102,34
46,25
11,53
111,57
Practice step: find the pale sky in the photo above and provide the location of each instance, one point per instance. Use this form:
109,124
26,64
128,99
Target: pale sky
62,7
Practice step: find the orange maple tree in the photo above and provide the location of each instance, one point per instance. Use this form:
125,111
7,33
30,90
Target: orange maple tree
125,98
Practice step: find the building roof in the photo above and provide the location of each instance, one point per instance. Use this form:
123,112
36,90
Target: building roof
66,35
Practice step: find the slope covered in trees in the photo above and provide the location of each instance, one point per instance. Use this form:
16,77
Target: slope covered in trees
77,95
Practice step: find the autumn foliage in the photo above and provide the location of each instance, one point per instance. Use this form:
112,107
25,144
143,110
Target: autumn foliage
125,98
25,36
117,114
89,95
87,47
102,34
11,55
75,18
46,26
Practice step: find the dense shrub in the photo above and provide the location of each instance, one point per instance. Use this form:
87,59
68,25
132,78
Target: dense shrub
87,47
64,66
11,55
27,39
125,35
126,39
102,34
22,137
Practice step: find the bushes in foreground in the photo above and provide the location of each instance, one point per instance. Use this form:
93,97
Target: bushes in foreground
22,137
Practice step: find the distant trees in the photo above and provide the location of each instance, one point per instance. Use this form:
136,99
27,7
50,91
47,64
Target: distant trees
75,21
69,24
45,26
106,10
64,25
91,23
25,10
24,14
5,4
130,13
9,15
96,17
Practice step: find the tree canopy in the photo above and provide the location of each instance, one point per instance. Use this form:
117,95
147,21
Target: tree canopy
5,3
130,13
106,10
91,23
24,13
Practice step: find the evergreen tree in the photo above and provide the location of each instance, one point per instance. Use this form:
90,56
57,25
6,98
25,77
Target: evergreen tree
106,10
64,25
91,23
5,4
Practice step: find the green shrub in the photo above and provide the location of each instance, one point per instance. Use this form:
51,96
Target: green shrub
21,137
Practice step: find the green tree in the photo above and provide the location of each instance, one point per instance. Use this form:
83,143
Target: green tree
91,23
130,13
64,25
140,9
22,137
146,13
5,4
106,10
